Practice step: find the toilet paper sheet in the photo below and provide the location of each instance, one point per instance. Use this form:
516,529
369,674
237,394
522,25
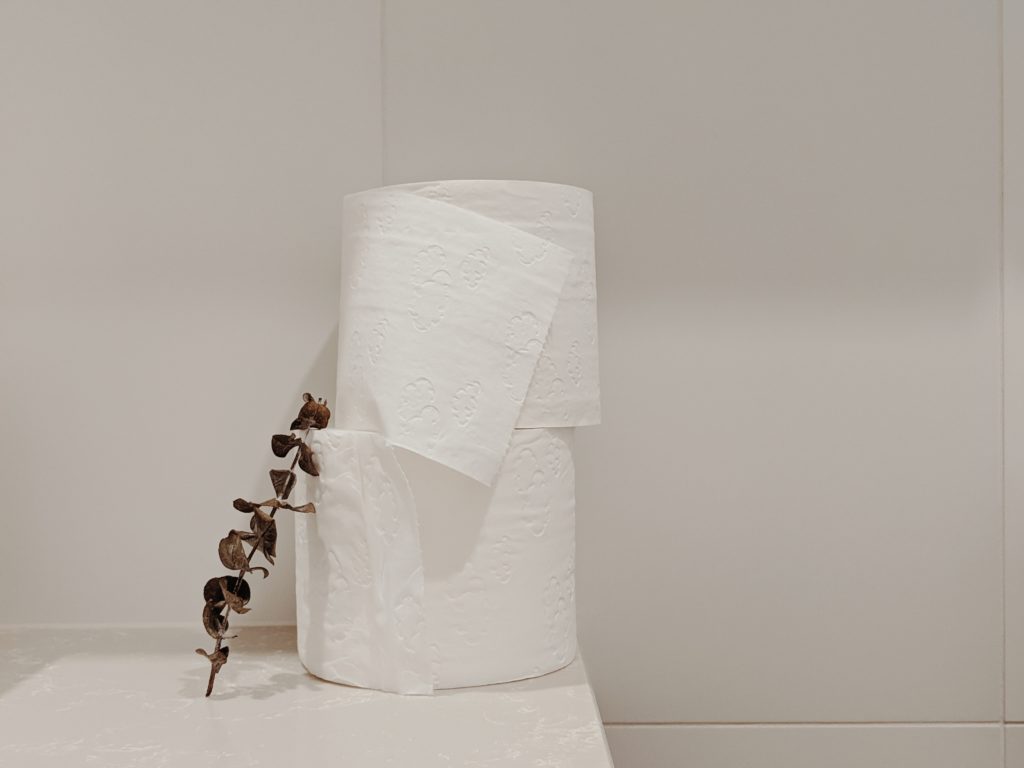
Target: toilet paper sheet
468,308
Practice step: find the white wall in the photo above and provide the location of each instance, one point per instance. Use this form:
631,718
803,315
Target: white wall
792,512
790,524
171,178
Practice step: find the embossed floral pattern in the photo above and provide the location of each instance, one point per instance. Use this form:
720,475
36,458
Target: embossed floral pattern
530,253
574,363
387,216
522,345
471,608
375,340
475,266
409,623
547,387
532,486
559,609
432,288
557,457
417,411
368,345
503,552
382,501
573,201
465,403
522,329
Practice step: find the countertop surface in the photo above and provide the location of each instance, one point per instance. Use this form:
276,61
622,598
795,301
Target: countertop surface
134,697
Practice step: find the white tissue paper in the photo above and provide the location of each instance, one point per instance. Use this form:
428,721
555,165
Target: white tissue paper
442,550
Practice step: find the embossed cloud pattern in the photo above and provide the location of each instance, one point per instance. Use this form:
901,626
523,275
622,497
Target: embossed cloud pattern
442,552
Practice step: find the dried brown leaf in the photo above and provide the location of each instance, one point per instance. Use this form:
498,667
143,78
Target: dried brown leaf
217,659
219,655
314,414
306,463
236,586
283,480
282,445
236,593
215,588
215,622
232,552
244,506
265,517
306,508
322,417
212,592
265,535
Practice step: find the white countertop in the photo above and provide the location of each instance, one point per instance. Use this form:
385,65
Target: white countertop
134,697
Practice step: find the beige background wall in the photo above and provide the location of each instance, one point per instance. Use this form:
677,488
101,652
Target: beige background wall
791,527
171,177
792,513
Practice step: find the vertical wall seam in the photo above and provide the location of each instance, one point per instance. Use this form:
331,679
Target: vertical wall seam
382,70
1001,43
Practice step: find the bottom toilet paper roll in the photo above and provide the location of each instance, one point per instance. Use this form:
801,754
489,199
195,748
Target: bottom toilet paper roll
411,576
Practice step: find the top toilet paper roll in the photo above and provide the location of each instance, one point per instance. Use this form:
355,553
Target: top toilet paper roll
468,309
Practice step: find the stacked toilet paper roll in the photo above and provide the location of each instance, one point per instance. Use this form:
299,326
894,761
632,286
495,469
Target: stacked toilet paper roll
442,551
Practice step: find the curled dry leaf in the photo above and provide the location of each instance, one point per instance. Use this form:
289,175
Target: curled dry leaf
266,517
283,480
232,552
306,463
232,585
282,445
218,658
306,508
215,622
214,592
244,506
236,593
314,414
264,535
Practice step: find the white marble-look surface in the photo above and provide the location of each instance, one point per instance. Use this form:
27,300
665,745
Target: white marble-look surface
134,697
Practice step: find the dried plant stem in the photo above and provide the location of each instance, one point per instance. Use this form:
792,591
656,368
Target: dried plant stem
213,671
241,573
